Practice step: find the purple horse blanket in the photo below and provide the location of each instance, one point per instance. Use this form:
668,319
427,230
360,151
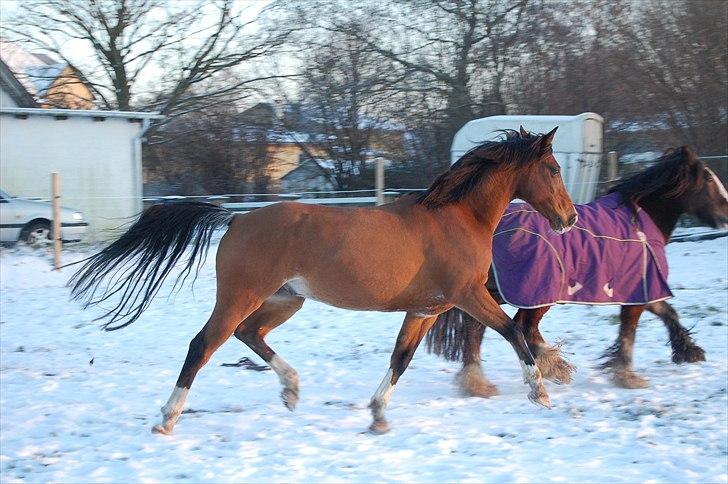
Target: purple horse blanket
613,255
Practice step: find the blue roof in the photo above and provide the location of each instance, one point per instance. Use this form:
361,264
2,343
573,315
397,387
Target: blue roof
42,77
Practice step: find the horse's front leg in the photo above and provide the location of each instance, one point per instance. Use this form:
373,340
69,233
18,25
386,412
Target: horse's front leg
413,330
684,349
619,355
480,304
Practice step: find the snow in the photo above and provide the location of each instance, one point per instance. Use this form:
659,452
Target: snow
64,419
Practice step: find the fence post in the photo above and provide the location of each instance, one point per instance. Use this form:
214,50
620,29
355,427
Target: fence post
612,166
56,226
379,181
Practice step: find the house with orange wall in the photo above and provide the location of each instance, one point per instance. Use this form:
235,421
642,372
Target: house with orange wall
50,83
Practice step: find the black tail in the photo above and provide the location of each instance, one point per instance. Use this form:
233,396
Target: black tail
448,335
154,244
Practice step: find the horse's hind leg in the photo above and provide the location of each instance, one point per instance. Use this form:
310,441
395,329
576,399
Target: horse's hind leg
413,330
223,321
548,358
684,349
619,355
471,379
275,311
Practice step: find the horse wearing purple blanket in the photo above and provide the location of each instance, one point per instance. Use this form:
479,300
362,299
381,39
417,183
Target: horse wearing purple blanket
614,255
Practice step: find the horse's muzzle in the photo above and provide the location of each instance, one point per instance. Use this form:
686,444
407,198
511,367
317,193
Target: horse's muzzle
561,228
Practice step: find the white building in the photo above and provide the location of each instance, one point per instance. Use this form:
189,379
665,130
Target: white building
97,153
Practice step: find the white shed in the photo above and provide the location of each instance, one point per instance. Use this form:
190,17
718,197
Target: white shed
97,153
577,145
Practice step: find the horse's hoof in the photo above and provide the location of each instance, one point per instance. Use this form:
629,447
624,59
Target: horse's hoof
472,383
379,427
480,389
540,397
691,354
629,379
161,429
290,398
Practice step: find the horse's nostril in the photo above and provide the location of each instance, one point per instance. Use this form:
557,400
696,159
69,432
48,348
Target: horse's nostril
573,219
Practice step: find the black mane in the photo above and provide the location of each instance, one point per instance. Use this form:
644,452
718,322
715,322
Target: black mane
672,175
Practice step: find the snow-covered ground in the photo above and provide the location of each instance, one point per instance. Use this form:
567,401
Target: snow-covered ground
77,404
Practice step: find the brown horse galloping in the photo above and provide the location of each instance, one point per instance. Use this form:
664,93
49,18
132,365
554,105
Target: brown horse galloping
679,183
422,255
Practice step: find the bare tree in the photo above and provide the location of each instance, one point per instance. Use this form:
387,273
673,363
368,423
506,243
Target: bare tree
675,63
457,49
343,90
657,70
447,61
189,44
565,66
212,151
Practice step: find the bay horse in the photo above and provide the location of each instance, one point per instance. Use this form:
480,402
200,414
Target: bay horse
678,183
421,254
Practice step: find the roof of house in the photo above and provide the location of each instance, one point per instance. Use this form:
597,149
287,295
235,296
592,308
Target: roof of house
46,59
36,72
322,168
10,84
87,113
42,77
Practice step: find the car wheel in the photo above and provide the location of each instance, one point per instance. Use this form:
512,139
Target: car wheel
37,234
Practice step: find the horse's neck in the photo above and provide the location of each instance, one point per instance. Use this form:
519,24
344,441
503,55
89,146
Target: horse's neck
487,202
663,212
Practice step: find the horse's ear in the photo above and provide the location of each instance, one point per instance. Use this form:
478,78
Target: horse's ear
548,138
523,132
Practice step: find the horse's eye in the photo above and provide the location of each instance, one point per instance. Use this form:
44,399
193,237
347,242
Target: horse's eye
555,171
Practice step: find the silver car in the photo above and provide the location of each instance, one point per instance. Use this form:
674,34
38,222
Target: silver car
30,221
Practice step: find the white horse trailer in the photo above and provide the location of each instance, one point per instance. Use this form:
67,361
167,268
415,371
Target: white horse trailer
577,145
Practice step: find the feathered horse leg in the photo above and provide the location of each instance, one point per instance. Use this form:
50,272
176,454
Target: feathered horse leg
455,336
471,378
548,358
619,355
684,349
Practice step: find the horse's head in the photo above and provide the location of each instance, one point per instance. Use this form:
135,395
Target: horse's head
540,184
707,199
522,165
677,183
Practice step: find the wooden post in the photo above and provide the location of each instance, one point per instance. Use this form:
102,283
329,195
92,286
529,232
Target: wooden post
379,181
612,166
56,226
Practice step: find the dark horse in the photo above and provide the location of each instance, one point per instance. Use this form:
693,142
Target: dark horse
421,255
679,183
